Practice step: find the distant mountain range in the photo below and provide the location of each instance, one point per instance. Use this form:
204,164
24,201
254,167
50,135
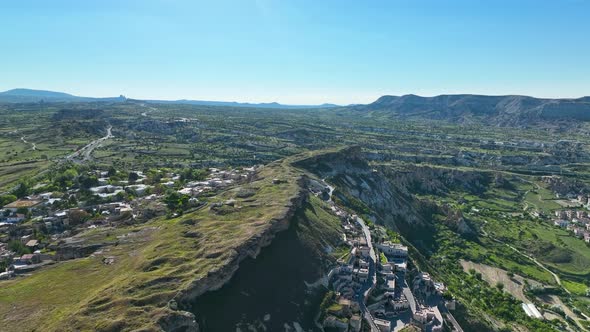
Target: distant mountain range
34,96
237,104
508,110
496,110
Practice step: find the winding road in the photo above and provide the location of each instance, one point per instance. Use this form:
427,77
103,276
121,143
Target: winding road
555,276
148,107
33,145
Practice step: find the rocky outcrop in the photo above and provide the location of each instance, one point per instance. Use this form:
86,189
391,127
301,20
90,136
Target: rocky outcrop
77,250
179,321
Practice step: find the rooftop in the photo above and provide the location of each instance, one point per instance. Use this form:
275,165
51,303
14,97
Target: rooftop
22,203
32,243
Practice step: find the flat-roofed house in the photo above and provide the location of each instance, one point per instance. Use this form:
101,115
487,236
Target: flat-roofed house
393,249
29,204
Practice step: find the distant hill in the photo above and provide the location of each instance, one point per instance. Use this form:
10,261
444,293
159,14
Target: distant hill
237,104
493,110
508,110
34,96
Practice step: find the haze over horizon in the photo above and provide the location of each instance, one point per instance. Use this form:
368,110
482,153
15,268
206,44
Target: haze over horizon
296,52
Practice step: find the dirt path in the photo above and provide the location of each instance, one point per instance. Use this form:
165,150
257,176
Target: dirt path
33,145
555,276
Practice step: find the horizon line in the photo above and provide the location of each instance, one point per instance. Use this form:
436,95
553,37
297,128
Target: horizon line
188,99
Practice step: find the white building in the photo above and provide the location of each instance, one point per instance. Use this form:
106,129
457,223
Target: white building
532,311
393,249
382,325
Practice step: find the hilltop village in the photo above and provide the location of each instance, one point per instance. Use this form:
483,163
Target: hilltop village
46,223
375,287
372,286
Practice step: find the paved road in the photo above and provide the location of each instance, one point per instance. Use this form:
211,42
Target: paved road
373,277
450,317
84,153
409,296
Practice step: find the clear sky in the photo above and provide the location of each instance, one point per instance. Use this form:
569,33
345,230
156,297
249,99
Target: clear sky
296,51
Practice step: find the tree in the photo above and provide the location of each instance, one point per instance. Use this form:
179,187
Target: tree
133,177
72,200
87,182
66,179
22,190
4,263
112,171
18,247
175,201
500,286
5,199
190,174
153,177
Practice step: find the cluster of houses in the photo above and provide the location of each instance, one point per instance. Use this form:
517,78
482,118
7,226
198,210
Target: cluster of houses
575,221
348,277
217,179
351,276
25,262
389,297
45,226
427,315
343,315
39,221
394,297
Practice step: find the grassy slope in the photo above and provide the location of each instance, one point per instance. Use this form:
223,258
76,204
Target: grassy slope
152,264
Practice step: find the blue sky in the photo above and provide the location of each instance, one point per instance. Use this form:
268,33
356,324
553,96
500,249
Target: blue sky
296,52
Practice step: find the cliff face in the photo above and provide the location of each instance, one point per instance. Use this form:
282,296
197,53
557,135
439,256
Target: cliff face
390,196
215,279
356,180
271,291
185,321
